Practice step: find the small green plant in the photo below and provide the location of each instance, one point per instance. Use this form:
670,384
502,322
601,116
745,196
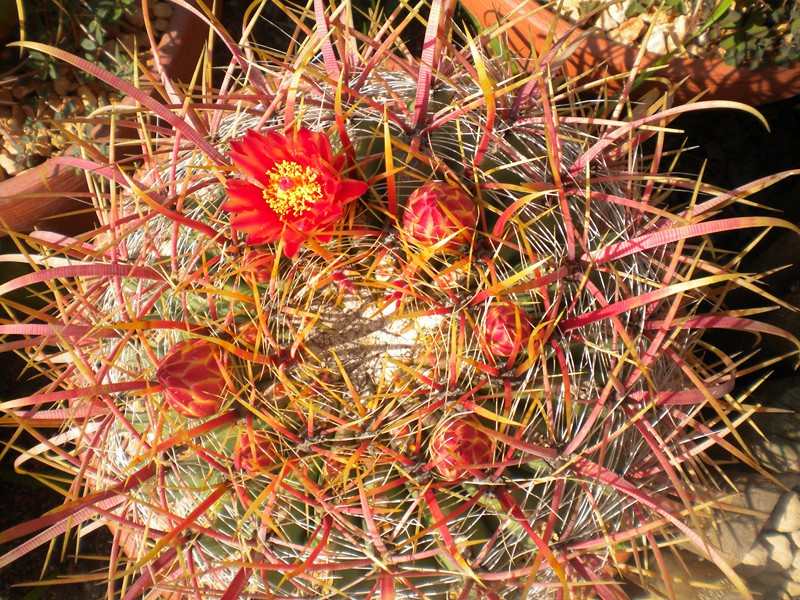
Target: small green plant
365,324
759,34
744,34
77,26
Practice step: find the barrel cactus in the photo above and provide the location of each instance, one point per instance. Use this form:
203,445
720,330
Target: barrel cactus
366,324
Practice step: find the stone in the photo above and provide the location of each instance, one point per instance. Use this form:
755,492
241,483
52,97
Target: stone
62,86
571,10
794,572
42,145
680,28
734,533
770,580
161,10
780,551
693,578
774,438
21,91
612,16
8,164
135,17
142,41
161,25
16,124
695,51
757,557
792,590
628,32
87,97
795,535
11,146
657,42
786,516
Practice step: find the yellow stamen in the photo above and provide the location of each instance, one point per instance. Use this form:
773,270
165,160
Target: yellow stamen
292,188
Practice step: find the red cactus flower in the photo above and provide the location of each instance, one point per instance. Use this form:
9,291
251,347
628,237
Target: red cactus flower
294,191
254,452
459,450
507,329
192,379
438,211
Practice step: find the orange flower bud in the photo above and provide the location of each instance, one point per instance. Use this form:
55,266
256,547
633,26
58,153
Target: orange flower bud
248,333
507,329
436,211
459,450
191,378
254,452
259,264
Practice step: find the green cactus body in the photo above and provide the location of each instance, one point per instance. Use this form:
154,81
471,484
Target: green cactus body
361,350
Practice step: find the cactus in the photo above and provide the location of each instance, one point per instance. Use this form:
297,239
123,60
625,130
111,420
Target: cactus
368,325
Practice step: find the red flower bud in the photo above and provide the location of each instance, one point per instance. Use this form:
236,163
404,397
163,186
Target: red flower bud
259,264
459,450
249,333
436,211
254,452
191,378
507,330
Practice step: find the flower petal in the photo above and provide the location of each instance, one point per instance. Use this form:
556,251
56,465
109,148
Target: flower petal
243,196
303,191
350,189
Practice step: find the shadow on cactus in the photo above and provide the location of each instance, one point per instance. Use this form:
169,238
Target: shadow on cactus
361,324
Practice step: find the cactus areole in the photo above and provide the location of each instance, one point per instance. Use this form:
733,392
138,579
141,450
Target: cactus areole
382,326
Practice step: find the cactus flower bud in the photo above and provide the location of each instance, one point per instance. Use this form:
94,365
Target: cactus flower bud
191,378
259,264
254,452
507,329
249,334
439,211
459,450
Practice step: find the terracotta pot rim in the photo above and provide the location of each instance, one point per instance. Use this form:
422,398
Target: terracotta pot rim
712,78
39,194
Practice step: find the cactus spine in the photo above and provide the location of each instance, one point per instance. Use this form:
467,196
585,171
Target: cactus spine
431,333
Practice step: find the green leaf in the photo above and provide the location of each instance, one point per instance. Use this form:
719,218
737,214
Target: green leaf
88,44
728,43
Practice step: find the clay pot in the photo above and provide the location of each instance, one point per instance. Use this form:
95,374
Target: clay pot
718,80
53,195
